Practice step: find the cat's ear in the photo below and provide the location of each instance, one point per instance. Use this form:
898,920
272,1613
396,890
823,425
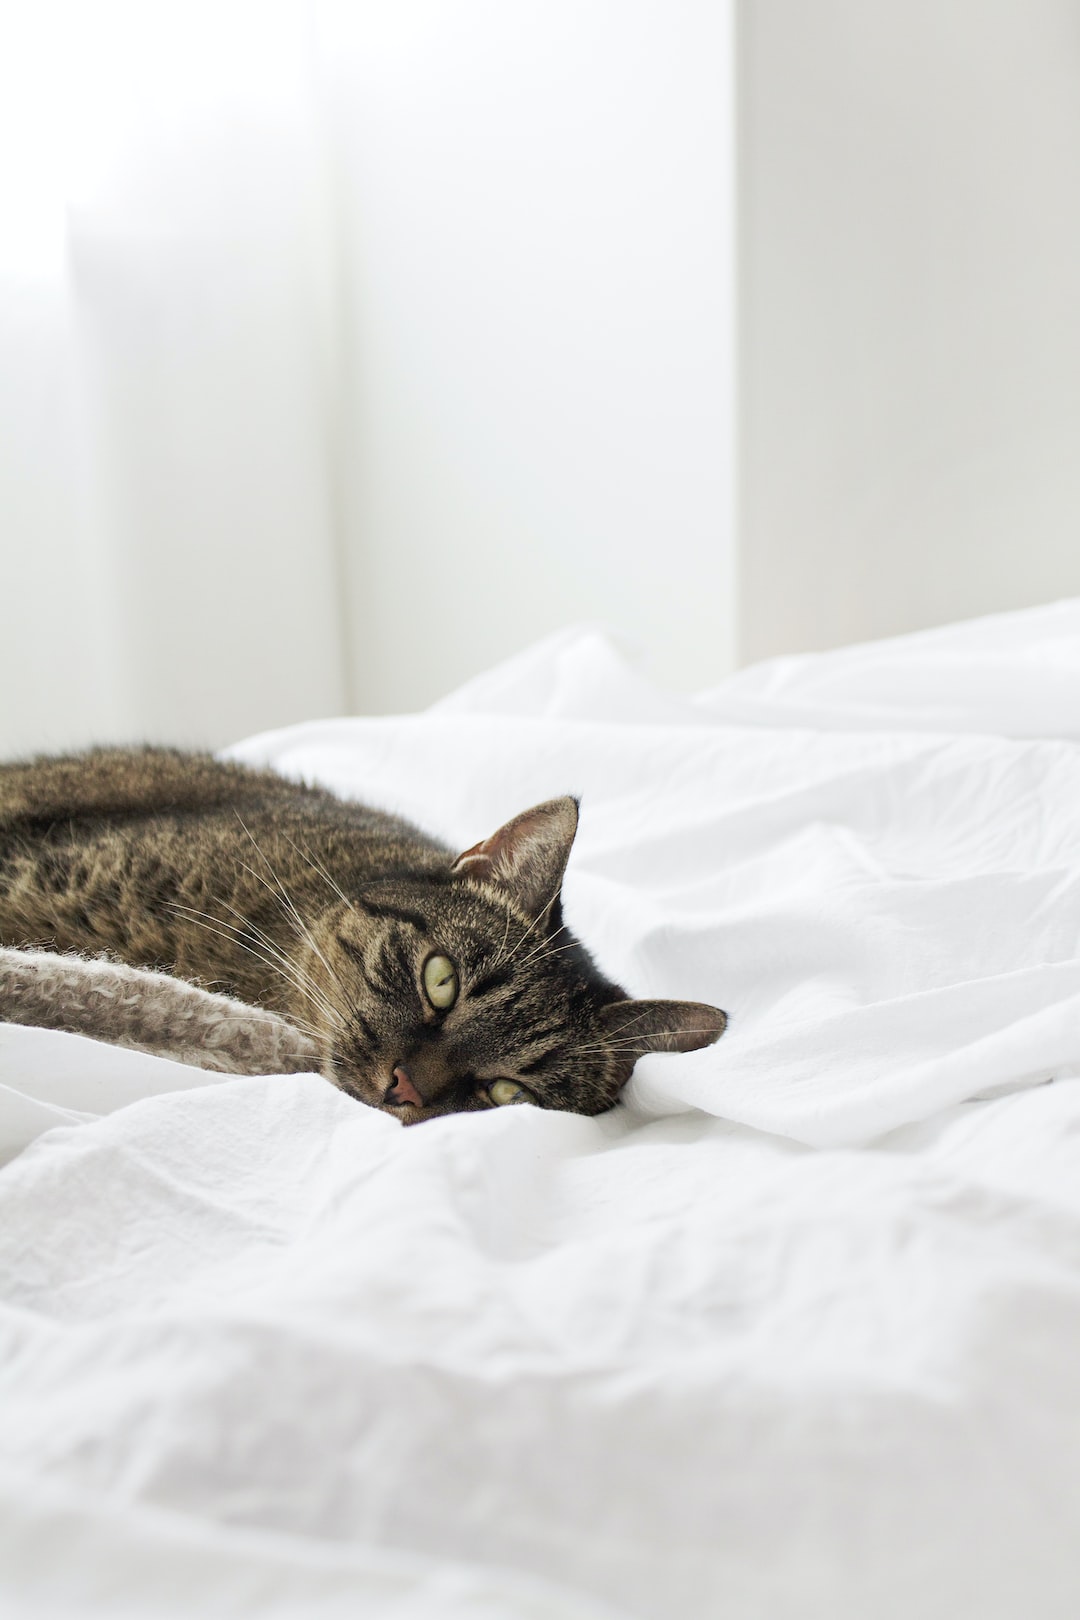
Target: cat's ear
528,856
636,1027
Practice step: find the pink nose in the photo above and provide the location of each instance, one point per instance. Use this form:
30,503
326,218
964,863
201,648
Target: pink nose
403,1090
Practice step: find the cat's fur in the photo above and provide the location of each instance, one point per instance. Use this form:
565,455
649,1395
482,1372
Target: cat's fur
328,913
150,1012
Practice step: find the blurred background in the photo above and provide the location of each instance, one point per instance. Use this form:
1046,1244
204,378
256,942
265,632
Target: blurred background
346,348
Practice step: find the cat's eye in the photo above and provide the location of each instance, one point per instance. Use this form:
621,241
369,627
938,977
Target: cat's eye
440,982
508,1091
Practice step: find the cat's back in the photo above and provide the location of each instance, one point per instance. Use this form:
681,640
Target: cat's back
115,784
138,809
122,787
121,848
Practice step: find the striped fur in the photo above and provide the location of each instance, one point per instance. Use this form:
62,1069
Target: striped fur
326,912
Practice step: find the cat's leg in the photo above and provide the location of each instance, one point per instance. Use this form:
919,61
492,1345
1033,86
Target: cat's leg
149,1011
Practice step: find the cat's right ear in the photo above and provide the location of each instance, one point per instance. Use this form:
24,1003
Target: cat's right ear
636,1027
528,856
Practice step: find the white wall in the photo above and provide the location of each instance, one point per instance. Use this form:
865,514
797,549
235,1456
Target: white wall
166,566
538,307
347,346
909,331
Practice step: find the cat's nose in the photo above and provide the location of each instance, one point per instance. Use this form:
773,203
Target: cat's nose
402,1090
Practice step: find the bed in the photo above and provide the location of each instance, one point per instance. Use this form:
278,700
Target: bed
793,1332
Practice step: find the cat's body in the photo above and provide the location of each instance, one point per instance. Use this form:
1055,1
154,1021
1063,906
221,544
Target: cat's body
430,984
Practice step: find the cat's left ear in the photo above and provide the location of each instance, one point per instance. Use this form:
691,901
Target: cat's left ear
636,1027
528,856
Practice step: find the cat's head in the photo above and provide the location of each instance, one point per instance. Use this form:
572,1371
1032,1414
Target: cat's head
460,988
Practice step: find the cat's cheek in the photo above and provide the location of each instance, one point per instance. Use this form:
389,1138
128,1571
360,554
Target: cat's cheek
351,1083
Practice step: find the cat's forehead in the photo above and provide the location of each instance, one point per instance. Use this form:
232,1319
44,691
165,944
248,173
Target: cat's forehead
487,939
450,915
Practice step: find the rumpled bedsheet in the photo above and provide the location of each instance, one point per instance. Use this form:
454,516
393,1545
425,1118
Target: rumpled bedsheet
791,1333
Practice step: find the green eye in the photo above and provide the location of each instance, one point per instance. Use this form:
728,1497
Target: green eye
508,1091
440,982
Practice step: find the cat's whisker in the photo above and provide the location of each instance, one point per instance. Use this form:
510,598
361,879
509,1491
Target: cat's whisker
280,899
540,914
260,934
218,926
290,972
554,950
231,938
300,979
300,924
317,866
287,898
506,935
544,909
302,1027
303,980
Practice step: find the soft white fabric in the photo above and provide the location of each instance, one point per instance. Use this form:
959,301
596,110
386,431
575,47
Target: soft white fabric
1010,675
791,1334
891,917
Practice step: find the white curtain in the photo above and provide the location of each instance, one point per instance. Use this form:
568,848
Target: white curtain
167,374
348,345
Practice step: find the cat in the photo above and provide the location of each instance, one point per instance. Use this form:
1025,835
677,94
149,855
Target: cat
426,983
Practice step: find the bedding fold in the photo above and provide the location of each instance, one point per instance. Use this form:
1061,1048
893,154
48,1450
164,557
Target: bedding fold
791,1332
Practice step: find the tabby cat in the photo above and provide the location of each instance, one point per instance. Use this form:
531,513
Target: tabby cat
430,984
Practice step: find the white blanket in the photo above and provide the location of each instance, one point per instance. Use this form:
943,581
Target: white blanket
793,1333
